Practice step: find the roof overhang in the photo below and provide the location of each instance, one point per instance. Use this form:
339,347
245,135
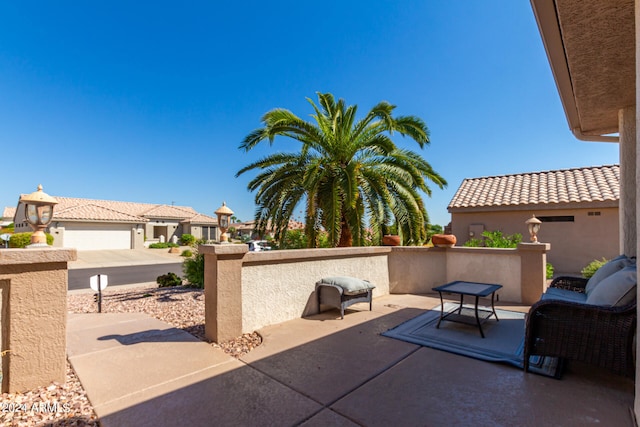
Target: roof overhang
590,45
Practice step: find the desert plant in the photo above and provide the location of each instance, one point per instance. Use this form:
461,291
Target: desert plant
187,253
592,267
550,271
163,245
22,240
188,239
168,280
495,239
193,269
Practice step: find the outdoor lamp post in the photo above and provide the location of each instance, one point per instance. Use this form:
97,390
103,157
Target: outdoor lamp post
533,224
223,213
38,211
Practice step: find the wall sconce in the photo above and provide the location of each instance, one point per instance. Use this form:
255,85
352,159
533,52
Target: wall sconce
533,224
38,211
223,213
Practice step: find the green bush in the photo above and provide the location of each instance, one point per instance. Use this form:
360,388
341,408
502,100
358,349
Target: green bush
188,239
592,267
193,269
22,240
187,253
495,239
550,271
169,280
163,245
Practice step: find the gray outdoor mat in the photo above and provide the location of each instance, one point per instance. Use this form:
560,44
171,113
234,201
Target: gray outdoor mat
503,342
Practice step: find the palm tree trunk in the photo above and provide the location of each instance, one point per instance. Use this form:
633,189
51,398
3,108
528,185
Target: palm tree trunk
346,239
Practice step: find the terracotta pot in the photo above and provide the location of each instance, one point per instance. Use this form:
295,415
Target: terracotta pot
391,240
443,240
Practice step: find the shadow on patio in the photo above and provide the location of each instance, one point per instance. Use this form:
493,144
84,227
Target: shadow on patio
322,370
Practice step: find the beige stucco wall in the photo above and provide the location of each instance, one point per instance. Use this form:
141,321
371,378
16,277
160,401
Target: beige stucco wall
33,290
279,285
573,244
500,266
416,270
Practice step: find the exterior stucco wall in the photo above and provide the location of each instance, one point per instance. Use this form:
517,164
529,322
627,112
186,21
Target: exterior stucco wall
246,291
280,285
500,266
415,270
573,244
33,290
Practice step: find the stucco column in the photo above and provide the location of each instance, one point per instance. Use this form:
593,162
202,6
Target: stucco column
33,291
223,290
533,270
627,207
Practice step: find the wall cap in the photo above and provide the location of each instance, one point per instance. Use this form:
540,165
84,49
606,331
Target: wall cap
37,256
534,247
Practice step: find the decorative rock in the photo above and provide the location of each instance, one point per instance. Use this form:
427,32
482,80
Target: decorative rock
443,240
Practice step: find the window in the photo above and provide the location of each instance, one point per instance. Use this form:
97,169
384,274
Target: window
560,218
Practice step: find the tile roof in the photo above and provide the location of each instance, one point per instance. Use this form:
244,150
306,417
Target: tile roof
579,185
71,208
94,212
9,212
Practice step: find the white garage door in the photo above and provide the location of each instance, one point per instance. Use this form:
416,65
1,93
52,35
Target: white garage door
97,236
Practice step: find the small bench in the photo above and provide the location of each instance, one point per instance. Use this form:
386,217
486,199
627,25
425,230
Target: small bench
343,291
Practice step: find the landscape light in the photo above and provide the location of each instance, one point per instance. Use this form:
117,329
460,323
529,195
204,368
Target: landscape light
38,211
223,213
533,224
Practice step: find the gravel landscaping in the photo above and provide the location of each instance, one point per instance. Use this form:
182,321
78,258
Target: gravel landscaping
67,404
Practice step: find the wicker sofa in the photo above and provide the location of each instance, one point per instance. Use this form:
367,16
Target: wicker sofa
585,320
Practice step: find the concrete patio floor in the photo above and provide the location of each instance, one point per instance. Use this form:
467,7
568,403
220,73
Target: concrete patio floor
321,371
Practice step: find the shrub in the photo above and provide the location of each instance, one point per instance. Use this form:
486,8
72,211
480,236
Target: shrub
592,267
186,253
193,269
550,271
169,280
188,239
163,245
495,239
22,240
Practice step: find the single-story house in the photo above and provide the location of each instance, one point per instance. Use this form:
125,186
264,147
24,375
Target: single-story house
87,224
7,216
578,208
247,229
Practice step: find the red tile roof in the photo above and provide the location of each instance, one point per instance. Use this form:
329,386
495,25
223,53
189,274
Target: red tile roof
579,185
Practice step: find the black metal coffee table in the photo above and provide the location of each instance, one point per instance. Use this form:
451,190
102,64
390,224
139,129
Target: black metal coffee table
468,315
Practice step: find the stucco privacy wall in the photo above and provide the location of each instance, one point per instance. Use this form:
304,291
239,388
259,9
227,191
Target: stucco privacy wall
247,291
279,286
33,286
501,266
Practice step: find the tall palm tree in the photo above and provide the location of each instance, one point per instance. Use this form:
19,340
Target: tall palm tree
348,172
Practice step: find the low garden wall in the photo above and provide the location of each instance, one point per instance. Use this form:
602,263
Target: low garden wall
245,291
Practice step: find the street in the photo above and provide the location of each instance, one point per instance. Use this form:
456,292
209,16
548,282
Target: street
79,278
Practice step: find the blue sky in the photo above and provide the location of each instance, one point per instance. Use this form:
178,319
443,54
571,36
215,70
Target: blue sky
149,101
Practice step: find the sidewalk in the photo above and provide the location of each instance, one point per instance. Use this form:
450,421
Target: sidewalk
320,371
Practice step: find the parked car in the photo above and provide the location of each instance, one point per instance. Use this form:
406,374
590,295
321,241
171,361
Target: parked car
259,245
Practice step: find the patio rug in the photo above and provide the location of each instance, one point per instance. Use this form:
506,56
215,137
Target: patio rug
503,342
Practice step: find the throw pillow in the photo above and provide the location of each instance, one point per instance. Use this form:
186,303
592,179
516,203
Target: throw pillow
607,270
616,290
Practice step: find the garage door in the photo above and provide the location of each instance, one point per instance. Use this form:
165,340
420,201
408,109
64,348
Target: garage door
97,236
